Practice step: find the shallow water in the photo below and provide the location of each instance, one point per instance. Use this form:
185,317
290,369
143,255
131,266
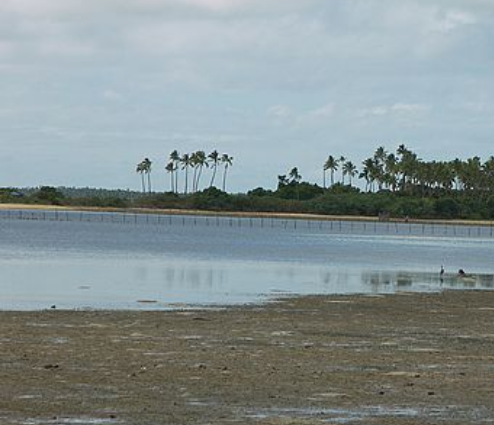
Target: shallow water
82,260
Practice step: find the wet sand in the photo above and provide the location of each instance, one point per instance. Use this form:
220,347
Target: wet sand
395,359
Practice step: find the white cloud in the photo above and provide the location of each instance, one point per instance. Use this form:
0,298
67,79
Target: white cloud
452,20
279,111
322,112
409,108
395,109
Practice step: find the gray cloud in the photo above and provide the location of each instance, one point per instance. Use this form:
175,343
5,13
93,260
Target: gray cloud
84,80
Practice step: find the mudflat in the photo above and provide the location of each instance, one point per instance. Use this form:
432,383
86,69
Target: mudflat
394,359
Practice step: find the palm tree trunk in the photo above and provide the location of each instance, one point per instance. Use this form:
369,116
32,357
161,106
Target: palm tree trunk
199,177
143,183
194,179
224,178
213,176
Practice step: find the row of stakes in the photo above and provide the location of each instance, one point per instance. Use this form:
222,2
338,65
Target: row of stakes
161,219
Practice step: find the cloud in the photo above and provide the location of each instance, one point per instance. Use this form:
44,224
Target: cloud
270,71
322,112
396,109
279,111
453,20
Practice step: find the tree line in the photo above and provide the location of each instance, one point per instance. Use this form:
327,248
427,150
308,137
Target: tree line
397,183
191,165
405,172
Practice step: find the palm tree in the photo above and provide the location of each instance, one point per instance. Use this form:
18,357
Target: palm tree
227,161
407,165
349,169
175,159
332,165
390,166
147,169
369,173
214,159
342,161
295,178
200,162
170,168
294,175
282,180
379,157
186,163
194,166
141,169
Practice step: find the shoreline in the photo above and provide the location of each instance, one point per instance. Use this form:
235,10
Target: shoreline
235,214
401,359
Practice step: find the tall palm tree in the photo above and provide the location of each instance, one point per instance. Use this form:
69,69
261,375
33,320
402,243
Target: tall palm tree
146,167
408,164
141,169
294,175
342,161
200,163
369,173
194,166
186,162
170,168
175,159
390,166
227,162
214,159
332,165
295,178
349,169
379,157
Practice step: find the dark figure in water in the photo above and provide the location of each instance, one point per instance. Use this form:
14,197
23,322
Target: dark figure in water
441,274
461,273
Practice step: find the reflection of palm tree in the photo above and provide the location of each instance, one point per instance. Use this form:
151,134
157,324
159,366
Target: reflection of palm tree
214,159
227,161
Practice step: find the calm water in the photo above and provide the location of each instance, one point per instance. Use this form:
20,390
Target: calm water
129,262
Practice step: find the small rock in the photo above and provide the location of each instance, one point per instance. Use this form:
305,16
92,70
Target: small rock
51,366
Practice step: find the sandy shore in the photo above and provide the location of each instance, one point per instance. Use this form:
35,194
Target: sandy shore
398,359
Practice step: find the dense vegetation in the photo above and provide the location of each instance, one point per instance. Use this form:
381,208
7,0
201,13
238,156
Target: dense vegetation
399,185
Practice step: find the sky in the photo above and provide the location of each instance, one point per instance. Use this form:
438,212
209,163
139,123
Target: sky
88,88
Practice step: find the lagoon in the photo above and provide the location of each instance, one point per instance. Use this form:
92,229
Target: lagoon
122,261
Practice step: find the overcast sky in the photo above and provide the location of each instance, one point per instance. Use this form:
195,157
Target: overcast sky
90,87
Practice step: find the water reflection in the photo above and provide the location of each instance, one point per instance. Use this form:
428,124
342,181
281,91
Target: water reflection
417,280
108,265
